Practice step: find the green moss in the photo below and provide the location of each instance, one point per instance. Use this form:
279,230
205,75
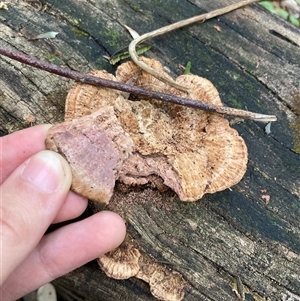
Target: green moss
79,32
51,57
234,102
112,37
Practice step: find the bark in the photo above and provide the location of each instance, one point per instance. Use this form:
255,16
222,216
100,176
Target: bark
253,59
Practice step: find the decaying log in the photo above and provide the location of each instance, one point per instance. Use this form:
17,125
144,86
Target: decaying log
250,232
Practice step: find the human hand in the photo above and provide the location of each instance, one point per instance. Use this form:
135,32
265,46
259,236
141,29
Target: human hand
35,193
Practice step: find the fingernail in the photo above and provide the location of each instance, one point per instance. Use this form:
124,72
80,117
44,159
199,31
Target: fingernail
45,170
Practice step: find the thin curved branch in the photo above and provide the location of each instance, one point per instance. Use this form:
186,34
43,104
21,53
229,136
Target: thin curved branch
174,26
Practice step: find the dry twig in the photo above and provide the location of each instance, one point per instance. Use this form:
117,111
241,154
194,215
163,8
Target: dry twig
96,81
174,26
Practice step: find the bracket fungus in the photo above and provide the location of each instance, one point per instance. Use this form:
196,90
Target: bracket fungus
193,151
121,263
127,261
97,139
109,137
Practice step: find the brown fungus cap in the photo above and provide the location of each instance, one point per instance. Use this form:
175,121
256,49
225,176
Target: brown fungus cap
193,151
127,261
164,283
95,147
121,263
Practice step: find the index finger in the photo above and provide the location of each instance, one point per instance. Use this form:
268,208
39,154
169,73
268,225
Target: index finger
17,147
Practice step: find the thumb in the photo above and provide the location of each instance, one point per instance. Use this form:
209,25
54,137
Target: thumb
30,199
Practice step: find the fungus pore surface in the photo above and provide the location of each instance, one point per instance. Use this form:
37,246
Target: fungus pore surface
193,151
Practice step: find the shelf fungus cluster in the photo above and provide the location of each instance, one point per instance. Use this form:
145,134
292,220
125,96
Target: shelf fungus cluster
108,137
127,261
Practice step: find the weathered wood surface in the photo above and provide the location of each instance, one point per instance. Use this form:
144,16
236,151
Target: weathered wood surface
254,61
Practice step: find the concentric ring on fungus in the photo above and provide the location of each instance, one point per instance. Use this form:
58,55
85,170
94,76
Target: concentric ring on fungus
193,151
